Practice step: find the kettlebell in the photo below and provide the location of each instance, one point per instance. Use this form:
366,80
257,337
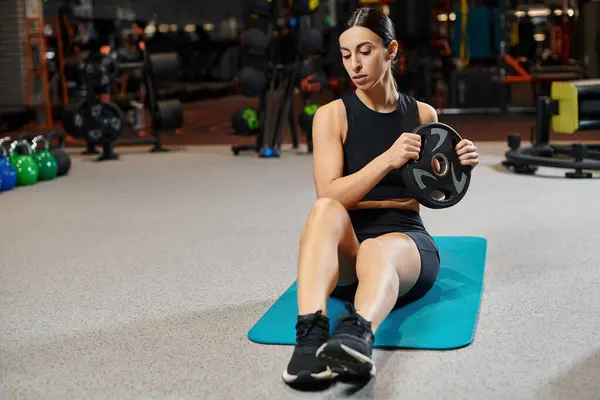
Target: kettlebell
25,166
44,159
8,175
62,157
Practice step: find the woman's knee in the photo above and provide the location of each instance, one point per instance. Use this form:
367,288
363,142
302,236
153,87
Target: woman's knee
329,211
327,206
370,247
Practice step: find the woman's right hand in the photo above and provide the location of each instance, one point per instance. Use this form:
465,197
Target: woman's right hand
405,148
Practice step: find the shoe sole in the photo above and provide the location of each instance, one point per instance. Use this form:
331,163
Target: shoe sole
343,360
307,377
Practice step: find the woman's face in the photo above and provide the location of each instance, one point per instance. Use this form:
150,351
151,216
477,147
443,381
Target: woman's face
365,57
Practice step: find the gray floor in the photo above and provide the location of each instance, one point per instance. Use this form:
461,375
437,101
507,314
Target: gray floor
139,279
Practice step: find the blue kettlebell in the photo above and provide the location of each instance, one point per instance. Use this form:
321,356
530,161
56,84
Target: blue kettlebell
8,175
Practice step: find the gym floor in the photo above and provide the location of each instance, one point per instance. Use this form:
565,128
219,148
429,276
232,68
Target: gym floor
140,278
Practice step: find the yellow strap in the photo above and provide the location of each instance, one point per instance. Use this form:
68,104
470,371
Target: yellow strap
514,34
464,21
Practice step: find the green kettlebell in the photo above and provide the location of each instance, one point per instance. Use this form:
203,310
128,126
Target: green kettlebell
44,159
26,168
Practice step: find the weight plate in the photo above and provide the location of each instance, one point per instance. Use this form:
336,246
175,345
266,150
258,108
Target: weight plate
101,69
165,65
169,115
72,120
435,187
103,123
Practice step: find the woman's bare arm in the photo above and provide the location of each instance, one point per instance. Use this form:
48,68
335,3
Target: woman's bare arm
328,160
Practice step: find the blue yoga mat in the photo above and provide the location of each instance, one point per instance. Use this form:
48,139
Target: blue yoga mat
445,318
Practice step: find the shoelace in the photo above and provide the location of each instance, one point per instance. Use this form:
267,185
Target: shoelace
308,336
351,323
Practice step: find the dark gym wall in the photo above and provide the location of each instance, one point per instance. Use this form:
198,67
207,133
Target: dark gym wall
188,11
179,12
12,52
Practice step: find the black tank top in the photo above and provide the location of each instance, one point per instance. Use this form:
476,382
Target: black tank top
370,133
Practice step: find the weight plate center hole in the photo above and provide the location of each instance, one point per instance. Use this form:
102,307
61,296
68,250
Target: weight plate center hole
438,195
440,164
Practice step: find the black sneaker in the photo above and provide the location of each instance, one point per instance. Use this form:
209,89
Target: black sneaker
312,331
349,350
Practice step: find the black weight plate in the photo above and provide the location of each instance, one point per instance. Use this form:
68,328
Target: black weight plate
165,65
170,115
73,120
443,188
102,69
104,123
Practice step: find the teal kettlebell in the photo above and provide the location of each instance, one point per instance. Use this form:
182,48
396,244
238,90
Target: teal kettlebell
24,164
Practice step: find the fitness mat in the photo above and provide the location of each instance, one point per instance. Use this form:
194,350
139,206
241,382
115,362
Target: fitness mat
445,318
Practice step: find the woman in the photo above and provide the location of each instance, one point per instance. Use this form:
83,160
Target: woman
364,241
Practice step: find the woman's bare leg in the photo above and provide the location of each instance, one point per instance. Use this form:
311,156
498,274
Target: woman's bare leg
387,267
327,254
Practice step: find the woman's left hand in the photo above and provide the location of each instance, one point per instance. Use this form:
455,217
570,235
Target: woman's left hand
467,153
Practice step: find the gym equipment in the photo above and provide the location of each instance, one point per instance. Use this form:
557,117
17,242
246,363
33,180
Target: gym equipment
44,159
305,119
477,37
245,121
572,107
103,68
251,82
477,87
256,42
8,175
310,41
305,122
306,67
102,122
578,105
445,318
98,122
314,83
431,187
273,77
63,159
168,115
26,168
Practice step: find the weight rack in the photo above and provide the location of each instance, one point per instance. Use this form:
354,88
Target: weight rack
165,115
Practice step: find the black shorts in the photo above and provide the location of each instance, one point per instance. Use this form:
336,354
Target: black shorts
376,222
